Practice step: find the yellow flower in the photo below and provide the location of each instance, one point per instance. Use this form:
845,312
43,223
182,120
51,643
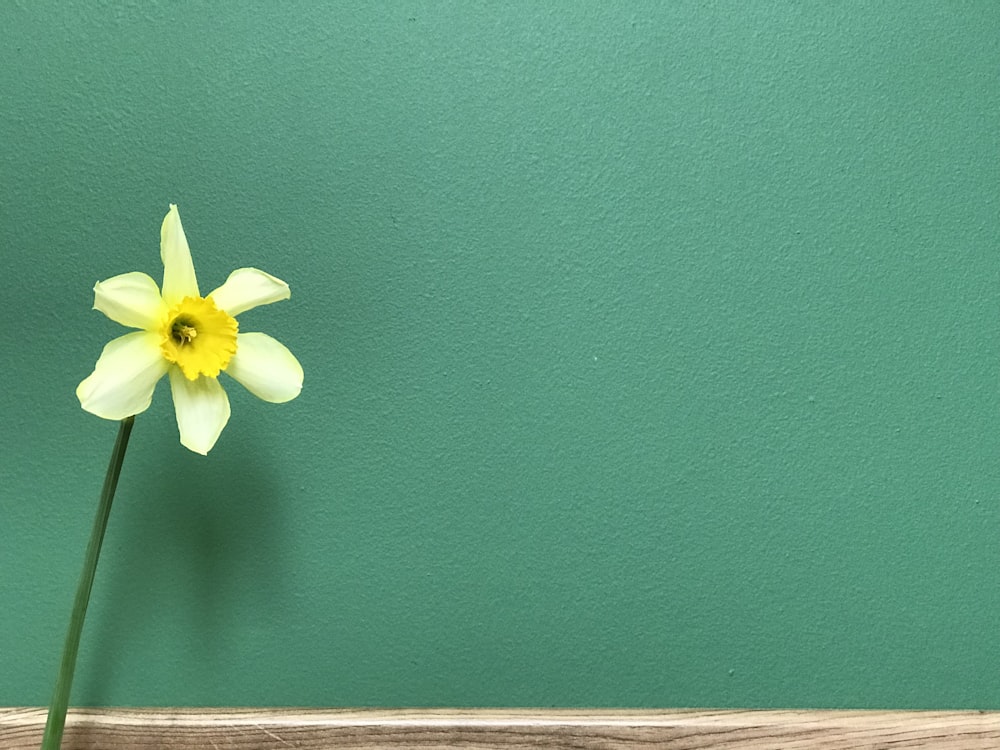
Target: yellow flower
189,338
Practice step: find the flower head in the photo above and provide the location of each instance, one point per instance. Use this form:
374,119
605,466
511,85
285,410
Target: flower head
191,339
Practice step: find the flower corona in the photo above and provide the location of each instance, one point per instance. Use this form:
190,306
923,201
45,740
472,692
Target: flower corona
198,337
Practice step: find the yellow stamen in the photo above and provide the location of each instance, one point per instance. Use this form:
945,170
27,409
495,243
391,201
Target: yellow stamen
181,333
198,337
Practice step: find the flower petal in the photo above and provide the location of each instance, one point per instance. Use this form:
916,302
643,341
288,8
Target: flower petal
123,379
179,280
202,410
265,368
247,288
132,299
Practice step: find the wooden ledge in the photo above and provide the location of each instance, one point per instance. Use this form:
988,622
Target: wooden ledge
514,729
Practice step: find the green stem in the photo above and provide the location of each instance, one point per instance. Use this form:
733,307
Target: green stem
60,697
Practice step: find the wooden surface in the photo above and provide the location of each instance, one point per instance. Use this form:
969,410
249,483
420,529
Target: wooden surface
311,729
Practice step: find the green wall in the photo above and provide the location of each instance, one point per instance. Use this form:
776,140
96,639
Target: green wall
651,352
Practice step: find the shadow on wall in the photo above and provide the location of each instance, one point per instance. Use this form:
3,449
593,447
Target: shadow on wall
194,557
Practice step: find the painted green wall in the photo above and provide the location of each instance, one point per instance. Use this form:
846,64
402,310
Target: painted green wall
651,352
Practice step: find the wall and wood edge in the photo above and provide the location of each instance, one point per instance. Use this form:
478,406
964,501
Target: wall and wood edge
650,351
253,729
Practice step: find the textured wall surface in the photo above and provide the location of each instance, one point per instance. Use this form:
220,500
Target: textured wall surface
651,352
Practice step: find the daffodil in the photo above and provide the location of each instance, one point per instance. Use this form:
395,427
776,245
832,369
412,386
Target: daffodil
189,338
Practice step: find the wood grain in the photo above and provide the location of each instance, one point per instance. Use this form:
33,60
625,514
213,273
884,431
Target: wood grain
312,729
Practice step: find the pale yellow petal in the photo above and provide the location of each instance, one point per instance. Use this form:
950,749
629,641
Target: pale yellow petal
202,410
123,379
266,368
179,280
132,299
247,288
